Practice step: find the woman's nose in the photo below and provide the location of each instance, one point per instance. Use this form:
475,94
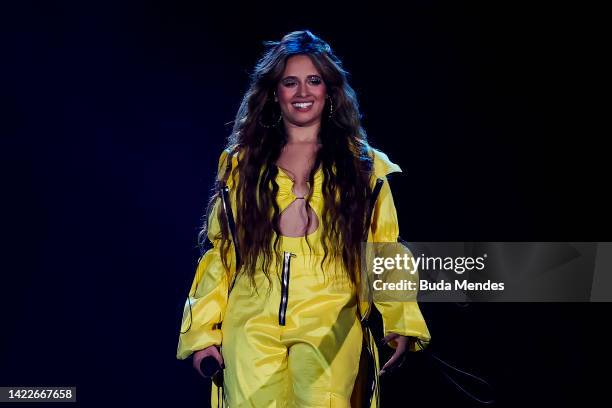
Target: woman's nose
302,90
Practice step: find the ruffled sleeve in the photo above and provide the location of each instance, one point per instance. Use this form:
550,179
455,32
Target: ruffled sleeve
205,306
404,318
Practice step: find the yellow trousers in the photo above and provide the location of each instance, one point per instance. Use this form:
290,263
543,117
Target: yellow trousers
296,344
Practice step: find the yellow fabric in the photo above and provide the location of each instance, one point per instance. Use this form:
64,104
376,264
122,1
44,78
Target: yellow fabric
403,318
307,362
312,360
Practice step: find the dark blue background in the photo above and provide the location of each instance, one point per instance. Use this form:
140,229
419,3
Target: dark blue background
114,115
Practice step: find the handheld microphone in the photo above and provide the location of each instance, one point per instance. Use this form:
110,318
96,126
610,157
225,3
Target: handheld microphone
211,368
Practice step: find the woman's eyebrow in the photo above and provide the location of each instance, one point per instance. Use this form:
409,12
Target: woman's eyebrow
294,77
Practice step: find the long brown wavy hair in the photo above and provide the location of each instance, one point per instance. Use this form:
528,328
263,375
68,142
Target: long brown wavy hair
344,158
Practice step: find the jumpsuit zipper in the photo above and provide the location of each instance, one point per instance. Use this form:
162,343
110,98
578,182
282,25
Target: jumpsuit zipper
282,310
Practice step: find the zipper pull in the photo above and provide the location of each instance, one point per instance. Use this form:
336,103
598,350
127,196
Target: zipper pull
287,256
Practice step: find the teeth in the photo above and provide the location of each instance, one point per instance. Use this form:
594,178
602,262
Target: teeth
302,104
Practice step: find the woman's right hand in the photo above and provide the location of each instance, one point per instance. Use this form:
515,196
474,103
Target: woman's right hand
198,356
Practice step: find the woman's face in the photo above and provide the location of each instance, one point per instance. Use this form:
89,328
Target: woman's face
301,92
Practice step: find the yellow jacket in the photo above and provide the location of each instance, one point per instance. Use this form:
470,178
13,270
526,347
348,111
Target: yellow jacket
205,307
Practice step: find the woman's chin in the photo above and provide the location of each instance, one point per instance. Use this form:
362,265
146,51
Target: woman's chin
303,120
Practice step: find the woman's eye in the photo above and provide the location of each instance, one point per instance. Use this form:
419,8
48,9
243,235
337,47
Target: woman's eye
315,81
289,84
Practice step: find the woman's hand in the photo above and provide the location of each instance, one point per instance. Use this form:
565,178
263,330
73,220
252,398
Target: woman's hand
397,359
198,356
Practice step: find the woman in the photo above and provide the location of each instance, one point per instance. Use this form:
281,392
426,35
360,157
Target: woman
299,175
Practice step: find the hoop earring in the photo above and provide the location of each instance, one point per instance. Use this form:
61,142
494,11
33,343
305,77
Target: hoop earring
331,106
280,116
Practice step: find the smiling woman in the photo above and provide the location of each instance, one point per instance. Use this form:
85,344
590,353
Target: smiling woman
301,92
276,301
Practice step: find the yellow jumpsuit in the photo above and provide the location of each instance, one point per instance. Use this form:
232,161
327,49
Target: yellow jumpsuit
297,345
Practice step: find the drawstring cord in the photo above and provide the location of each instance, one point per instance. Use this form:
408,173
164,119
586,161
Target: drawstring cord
220,398
443,371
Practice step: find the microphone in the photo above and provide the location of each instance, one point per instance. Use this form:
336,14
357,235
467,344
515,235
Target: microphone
211,368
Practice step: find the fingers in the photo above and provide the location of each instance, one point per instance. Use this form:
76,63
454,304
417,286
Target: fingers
390,365
402,360
217,355
197,359
389,337
398,357
211,351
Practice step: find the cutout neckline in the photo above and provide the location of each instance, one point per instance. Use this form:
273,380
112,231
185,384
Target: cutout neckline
314,212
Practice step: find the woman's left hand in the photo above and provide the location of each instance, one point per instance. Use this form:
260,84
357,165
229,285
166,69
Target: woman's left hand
397,359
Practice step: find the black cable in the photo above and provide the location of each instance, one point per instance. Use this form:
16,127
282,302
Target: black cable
439,360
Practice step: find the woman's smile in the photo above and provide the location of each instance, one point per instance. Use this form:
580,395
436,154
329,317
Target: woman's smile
302,106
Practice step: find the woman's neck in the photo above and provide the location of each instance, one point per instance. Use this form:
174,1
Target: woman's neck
303,134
